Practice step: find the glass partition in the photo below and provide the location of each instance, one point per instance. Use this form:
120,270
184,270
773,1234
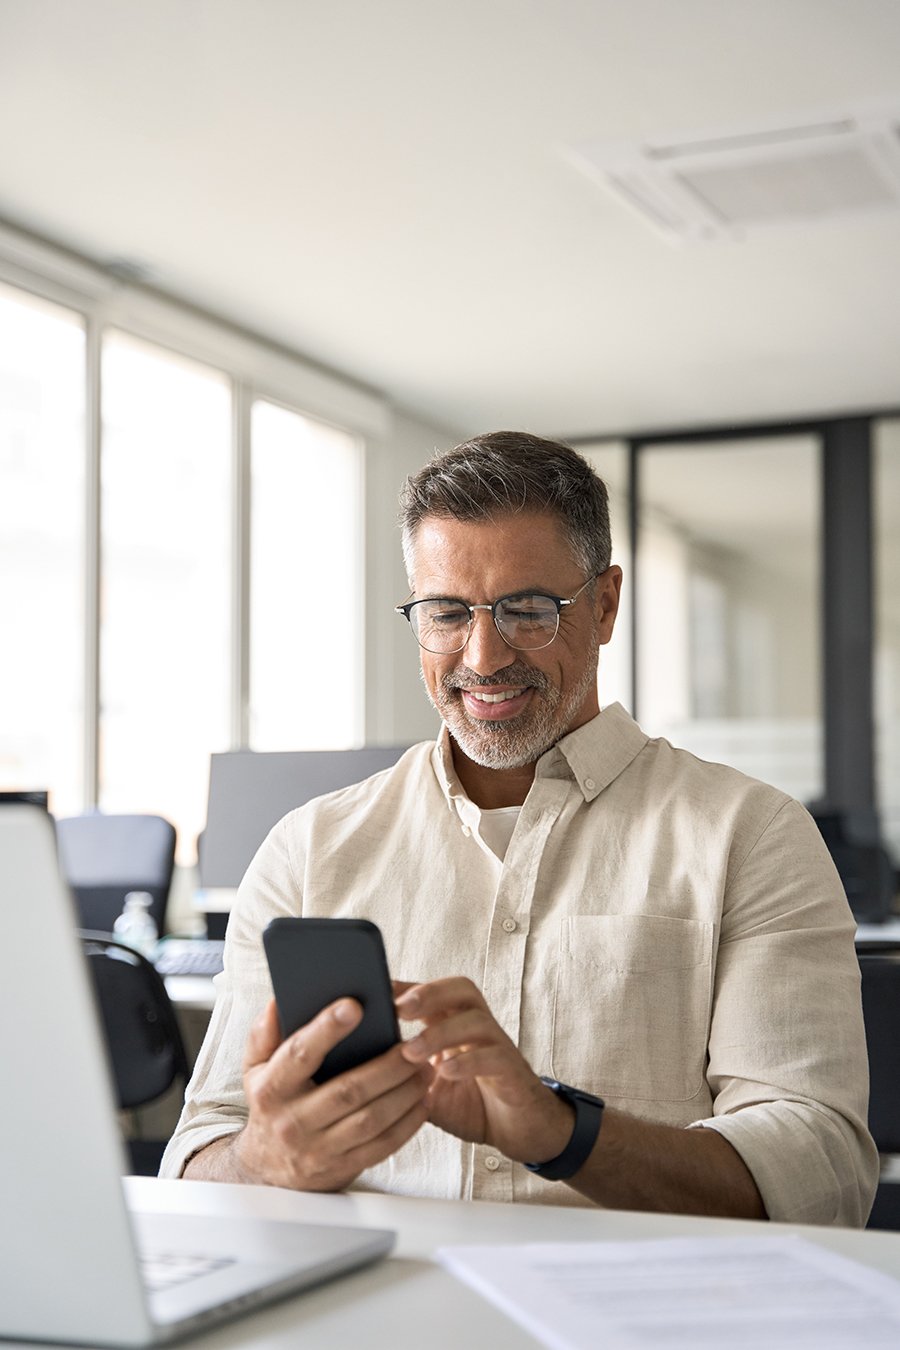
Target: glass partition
728,636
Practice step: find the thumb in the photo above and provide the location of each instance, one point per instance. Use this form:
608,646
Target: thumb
264,1038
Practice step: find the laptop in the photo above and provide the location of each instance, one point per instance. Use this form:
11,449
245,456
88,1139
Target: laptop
75,1265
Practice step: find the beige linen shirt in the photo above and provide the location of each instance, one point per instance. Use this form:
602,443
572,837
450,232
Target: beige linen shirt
662,931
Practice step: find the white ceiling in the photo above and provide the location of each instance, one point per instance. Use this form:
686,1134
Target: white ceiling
382,185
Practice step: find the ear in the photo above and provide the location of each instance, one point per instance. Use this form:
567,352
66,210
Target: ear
607,591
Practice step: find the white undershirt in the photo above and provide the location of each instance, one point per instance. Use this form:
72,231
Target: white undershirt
496,828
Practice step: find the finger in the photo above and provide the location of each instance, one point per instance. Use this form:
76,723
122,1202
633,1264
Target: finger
301,1054
264,1038
463,1030
377,1116
354,1090
400,986
487,1061
388,1142
438,998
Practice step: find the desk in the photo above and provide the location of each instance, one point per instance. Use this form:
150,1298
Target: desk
407,1300
192,992
872,936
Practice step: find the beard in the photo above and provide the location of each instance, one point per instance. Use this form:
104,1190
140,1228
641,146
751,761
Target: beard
520,740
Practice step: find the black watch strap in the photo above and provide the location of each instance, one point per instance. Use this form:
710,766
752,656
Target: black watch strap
588,1117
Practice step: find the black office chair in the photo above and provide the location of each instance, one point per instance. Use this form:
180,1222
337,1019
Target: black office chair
103,857
144,1042
881,1011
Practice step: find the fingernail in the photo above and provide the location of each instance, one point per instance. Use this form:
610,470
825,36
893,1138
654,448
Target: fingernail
345,1011
408,1002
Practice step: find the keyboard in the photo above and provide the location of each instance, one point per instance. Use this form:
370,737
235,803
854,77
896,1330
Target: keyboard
164,1269
189,956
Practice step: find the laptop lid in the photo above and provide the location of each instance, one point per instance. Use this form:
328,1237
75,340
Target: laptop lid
69,1267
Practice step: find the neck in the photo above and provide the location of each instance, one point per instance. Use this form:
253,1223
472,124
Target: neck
490,788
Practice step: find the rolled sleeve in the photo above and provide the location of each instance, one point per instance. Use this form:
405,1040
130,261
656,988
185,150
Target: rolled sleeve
787,1054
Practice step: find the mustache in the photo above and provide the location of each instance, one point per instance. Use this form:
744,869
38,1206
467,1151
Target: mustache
517,673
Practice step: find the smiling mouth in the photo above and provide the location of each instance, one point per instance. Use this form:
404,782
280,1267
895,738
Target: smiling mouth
484,697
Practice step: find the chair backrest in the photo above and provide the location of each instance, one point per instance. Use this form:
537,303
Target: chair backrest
881,1011
103,857
143,1038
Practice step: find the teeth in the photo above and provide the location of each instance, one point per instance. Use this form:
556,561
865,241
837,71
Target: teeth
494,698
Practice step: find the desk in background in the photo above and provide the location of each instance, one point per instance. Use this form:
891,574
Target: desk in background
875,936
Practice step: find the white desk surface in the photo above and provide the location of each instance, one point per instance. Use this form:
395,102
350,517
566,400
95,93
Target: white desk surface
191,991
409,1301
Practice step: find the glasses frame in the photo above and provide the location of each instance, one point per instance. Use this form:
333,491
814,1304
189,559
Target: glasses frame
559,601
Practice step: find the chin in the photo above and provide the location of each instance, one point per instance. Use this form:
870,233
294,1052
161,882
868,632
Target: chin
502,745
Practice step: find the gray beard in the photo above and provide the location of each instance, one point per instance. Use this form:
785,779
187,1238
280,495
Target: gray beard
522,740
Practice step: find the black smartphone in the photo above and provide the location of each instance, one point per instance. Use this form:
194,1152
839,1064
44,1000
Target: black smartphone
315,961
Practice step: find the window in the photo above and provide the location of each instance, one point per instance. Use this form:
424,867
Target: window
42,407
165,671
306,599
126,595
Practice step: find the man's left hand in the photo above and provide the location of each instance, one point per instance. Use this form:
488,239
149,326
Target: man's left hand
483,1089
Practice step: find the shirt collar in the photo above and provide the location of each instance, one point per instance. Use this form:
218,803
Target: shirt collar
594,755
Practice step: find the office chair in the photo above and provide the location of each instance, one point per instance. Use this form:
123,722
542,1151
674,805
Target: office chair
143,1039
103,857
881,1011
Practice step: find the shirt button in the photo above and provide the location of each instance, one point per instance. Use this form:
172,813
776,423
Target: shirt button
491,1162
589,784
509,925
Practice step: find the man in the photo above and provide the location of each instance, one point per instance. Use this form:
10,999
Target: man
579,914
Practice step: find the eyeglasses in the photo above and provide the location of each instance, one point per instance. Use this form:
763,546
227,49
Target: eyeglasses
526,621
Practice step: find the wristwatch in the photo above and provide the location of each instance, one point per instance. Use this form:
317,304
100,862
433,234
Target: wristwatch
588,1116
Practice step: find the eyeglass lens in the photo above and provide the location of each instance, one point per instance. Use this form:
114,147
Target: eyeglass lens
526,622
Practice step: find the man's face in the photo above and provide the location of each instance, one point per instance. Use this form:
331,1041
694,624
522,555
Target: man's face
505,708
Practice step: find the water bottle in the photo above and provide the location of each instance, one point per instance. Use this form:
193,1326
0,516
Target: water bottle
135,925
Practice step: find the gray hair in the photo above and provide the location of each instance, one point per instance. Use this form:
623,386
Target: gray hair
507,472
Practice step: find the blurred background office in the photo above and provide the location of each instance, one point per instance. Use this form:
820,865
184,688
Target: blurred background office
258,258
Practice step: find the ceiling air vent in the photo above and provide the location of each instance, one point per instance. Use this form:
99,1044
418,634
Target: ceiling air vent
796,171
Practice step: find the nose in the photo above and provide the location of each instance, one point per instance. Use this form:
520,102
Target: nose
486,652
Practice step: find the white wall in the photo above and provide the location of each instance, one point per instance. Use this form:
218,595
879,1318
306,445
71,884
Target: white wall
397,707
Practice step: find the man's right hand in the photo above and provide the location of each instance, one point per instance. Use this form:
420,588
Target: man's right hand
312,1137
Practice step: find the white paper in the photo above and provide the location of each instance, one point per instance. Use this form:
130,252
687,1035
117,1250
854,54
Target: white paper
755,1293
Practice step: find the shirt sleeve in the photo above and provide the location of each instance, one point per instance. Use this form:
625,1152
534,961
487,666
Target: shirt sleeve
788,1067
214,1101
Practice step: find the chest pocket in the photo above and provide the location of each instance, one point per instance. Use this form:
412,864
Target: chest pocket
632,1006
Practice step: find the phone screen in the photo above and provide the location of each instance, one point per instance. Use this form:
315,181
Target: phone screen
315,961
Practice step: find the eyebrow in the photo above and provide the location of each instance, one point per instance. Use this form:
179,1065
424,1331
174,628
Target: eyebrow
507,595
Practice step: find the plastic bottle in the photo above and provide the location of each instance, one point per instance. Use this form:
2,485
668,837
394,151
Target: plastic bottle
135,925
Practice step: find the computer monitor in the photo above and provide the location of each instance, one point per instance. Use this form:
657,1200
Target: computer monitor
250,790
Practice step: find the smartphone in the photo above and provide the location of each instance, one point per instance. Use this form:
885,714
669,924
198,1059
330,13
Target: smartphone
315,961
